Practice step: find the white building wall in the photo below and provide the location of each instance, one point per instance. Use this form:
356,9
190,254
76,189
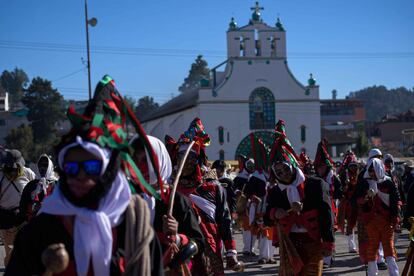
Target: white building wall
233,118
296,114
245,75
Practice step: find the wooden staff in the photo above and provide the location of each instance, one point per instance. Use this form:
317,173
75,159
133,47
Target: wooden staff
55,258
177,178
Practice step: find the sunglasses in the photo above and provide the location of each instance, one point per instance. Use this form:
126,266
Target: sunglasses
90,167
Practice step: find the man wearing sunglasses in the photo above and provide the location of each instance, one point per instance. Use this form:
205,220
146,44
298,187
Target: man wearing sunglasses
92,213
299,208
13,178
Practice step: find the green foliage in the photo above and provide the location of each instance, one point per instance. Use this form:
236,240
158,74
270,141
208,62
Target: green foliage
14,83
21,138
379,101
362,144
198,71
46,109
334,94
131,101
145,106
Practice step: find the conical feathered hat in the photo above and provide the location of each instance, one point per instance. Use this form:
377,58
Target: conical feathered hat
104,123
282,150
259,152
322,155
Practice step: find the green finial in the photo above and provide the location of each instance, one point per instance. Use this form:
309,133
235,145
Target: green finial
256,14
233,24
311,80
279,25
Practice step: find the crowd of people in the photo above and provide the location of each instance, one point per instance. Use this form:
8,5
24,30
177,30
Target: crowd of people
116,205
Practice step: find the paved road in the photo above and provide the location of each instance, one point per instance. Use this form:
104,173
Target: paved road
345,263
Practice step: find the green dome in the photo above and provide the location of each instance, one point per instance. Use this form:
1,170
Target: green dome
311,80
256,16
233,24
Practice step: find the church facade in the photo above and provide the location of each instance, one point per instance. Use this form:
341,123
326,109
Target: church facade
255,90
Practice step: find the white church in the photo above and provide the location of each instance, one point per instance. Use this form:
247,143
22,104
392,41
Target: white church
255,90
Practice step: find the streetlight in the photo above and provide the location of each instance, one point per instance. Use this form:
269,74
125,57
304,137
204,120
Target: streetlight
93,21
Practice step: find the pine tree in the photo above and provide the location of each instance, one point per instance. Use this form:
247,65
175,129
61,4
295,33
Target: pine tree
198,71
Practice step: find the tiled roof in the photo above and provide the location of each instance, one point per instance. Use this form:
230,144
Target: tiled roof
181,102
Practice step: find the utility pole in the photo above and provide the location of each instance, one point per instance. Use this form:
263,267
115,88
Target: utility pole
93,21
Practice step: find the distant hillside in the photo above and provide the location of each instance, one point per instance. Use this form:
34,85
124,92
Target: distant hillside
379,101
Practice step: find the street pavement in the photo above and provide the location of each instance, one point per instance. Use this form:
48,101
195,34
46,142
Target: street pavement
344,264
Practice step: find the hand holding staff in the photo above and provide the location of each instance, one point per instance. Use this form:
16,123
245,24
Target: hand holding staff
177,178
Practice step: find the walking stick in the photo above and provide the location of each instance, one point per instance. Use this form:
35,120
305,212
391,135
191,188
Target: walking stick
183,268
177,178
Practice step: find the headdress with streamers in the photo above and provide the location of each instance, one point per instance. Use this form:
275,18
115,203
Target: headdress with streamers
104,122
348,159
195,133
259,152
282,150
322,155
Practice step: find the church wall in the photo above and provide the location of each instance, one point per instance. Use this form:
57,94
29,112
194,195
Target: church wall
273,74
297,114
234,118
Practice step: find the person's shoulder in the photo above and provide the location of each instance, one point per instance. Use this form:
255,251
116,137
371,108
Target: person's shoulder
314,180
181,199
39,225
226,180
31,186
29,173
314,183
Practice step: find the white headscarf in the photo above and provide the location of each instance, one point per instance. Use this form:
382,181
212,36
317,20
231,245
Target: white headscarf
292,189
381,177
45,180
164,164
92,233
164,160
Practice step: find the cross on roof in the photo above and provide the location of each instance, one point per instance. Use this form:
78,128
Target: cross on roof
257,8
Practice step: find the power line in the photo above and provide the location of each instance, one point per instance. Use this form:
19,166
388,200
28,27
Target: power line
159,52
68,75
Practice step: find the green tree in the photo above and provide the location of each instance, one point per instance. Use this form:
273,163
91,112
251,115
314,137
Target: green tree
131,101
198,71
334,94
380,101
46,109
362,144
21,138
14,83
145,106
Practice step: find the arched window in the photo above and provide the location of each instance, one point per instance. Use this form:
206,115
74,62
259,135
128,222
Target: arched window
303,133
262,109
221,135
221,154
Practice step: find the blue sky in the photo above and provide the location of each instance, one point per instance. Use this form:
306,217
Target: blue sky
148,46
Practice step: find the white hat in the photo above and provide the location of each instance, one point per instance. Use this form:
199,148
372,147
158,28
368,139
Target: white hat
374,152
